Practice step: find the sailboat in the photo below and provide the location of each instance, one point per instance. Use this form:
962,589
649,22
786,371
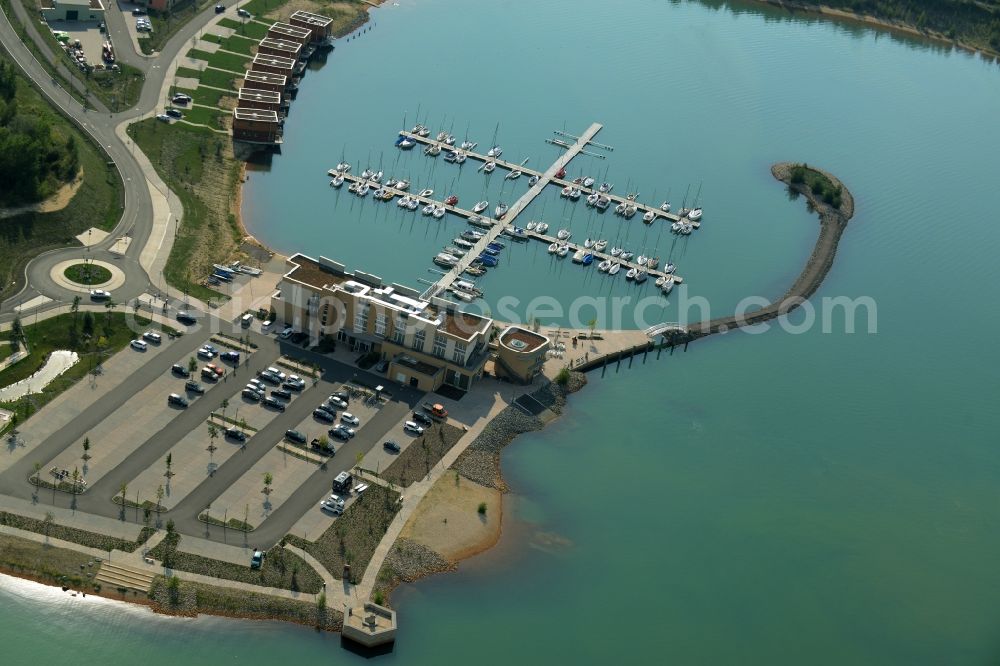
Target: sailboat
500,210
481,206
615,267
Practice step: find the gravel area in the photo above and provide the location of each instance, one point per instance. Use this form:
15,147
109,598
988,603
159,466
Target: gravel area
481,461
406,562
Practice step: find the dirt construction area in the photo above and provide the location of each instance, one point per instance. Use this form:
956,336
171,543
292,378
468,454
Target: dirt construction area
448,519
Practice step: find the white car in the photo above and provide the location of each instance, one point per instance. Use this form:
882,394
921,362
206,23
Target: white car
152,336
100,294
205,352
298,381
349,419
411,426
287,333
334,504
337,402
279,373
256,383
139,345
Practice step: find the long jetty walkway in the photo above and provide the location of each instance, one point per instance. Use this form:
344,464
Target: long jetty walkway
572,150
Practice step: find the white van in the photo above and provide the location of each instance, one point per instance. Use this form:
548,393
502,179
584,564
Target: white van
266,326
246,320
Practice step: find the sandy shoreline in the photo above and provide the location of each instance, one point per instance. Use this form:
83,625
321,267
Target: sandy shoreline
819,9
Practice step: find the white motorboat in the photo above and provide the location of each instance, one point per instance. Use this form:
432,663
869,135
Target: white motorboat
461,242
566,190
337,181
463,296
589,243
455,252
418,128
632,272
432,150
490,167
626,255
606,187
541,227
441,136
402,185
579,255
413,204
438,212
445,260
530,226
665,206
428,209
630,210
404,201
620,208
588,182
615,267
481,206
553,247
451,156
676,227
616,252
472,235
564,234
406,144
495,151
592,199
668,285
694,215
344,167
575,193
460,158
563,250
648,217
426,193
601,245
515,232
500,210
604,266
532,181
603,203
669,268
641,276
641,260
363,189
514,175
652,263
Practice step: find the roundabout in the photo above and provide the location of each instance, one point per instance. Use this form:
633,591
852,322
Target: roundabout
82,277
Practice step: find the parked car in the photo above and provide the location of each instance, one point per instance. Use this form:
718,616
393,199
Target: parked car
381,366
347,430
422,418
181,98
216,369
164,117
269,378
410,426
257,559
339,433
333,504
259,385
175,113
323,415
295,436
391,445
273,403
337,402
230,356
177,400
242,12
276,372
138,345
220,8
194,387
186,318
206,353
349,419
209,374
152,336
298,337
138,11
342,395
237,434
250,394
180,370
286,333
282,394
295,383
100,295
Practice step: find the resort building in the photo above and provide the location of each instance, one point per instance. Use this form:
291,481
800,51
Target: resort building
289,33
72,10
318,26
520,354
259,99
273,65
280,47
264,81
426,344
256,126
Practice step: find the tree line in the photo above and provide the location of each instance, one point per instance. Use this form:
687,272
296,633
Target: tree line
35,159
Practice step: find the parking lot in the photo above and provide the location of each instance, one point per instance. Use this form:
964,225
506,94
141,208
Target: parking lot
379,458
90,37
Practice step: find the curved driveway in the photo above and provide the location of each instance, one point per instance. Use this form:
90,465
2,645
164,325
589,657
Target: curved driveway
138,214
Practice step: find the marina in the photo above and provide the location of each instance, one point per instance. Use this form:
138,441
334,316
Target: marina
482,248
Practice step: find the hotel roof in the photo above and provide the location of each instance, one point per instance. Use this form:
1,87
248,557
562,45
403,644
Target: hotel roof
260,115
291,30
313,19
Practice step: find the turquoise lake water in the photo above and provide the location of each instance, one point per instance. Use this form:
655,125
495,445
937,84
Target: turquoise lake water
820,498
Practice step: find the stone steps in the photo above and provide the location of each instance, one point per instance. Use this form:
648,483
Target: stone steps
117,575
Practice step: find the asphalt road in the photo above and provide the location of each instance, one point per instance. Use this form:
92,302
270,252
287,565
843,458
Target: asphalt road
137,216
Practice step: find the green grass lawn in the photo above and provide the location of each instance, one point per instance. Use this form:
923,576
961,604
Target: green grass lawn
87,273
107,333
217,79
96,203
239,44
210,96
202,115
229,61
165,25
189,159
249,29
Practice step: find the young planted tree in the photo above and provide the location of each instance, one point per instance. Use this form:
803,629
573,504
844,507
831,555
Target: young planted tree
192,364
123,489
76,479
38,469
170,459
86,449
225,406
159,502
47,522
213,433
268,480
